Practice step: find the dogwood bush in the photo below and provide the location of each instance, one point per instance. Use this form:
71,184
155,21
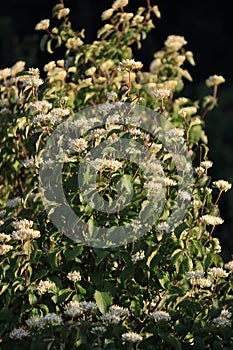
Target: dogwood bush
167,288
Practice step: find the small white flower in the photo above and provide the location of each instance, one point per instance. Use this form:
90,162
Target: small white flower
211,220
46,286
170,182
206,164
175,42
88,306
52,318
4,237
221,321
184,196
63,12
214,80
73,309
131,337
160,316
98,330
217,272
129,65
35,321
5,248
74,276
162,93
194,275
19,333
140,255
119,4
174,134
110,318
229,265
204,282
78,145
107,14
118,310
163,227
43,24
187,111
222,185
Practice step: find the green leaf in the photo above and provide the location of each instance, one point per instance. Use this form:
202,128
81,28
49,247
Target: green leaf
103,300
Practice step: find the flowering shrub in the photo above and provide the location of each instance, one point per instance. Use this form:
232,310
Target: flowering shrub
165,286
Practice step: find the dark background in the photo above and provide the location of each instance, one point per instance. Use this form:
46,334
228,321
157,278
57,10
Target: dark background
206,25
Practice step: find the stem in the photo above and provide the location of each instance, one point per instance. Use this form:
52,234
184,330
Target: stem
219,195
148,5
130,83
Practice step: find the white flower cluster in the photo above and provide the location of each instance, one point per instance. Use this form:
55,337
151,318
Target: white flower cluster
211,220
140,255
184,195
131,337
197,278
214,80
222,185
217,272
5,248
53,117
43,24
117,4
24,230
40,322
206,164
169,182
88,306
32,78
163,227
175,42
119,310
73,43
160,316
103,163
42,106
63,12
19,333
74,276
78,145
110,318
195,275
114,315
46,286
4,237
73,309
129,65
187,111
229,265
98,330
162,93
174,134
223,319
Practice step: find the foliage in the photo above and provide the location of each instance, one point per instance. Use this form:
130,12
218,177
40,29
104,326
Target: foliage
169,287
